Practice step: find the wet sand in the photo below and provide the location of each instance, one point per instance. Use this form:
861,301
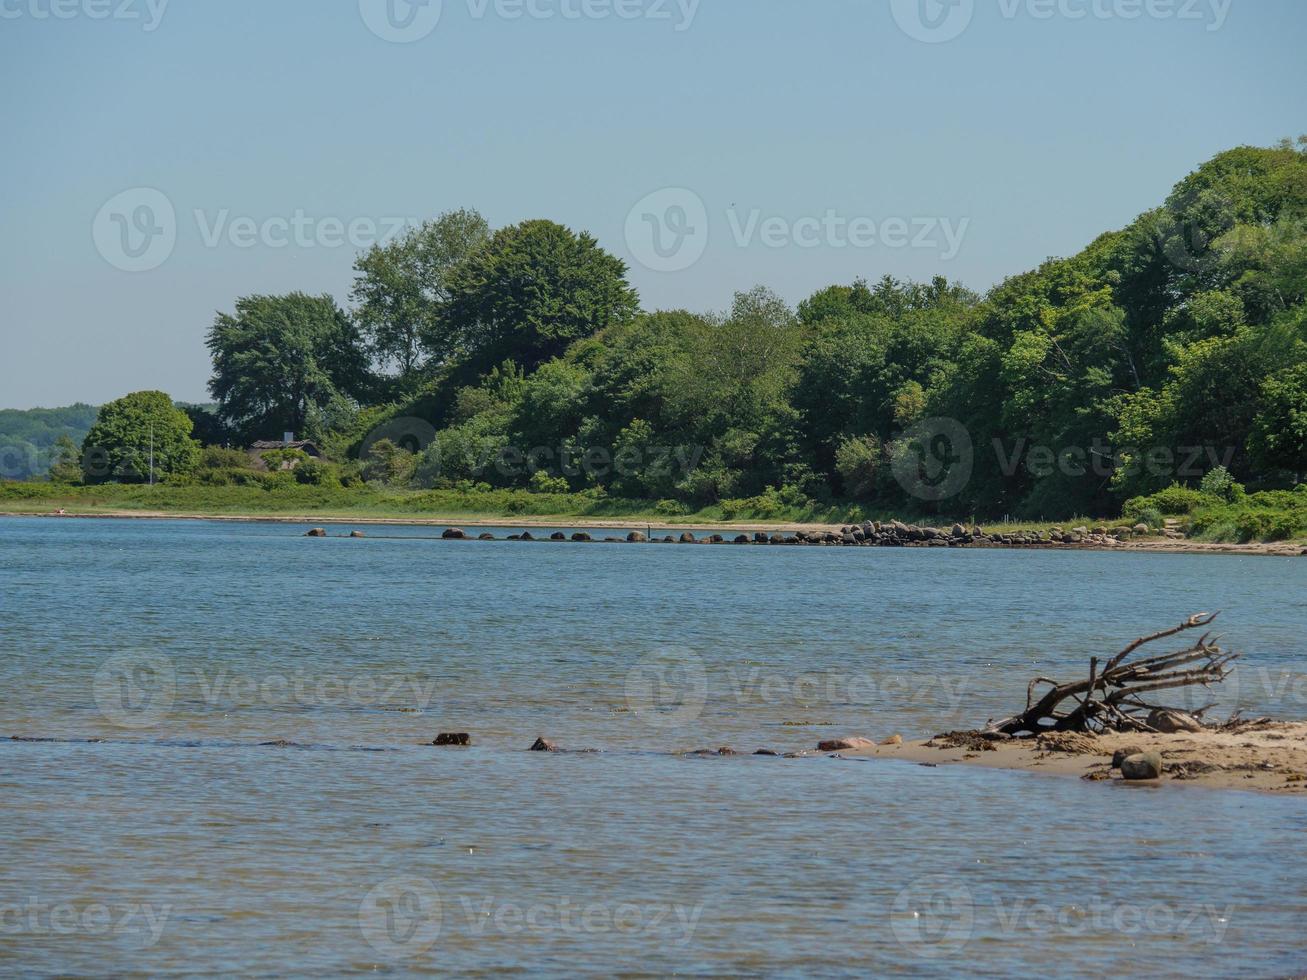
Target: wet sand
1268,757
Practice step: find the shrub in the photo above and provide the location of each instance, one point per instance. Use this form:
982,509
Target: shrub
1220,484
1150,516
542,482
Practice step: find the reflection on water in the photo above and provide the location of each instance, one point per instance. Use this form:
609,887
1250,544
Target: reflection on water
180,842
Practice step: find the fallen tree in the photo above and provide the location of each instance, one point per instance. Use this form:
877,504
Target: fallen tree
1113,698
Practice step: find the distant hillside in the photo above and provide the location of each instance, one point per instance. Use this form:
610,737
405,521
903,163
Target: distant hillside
27,435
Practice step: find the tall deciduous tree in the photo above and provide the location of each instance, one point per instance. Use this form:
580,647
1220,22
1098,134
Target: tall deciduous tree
138,435
281,360
399,286
528,293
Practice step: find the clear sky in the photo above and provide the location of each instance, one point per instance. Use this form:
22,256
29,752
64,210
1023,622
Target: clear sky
823,139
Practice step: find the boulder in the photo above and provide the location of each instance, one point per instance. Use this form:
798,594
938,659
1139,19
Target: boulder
838,744
1120,755
543,745
1169,721
453,738
454,534
636,537
1141,766
317,532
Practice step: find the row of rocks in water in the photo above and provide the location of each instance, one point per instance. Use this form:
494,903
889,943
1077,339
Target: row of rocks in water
542,744
867,534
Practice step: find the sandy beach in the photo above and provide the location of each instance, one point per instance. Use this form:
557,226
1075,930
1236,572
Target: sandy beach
1261,756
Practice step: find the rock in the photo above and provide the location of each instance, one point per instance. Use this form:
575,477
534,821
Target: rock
1082,530
636,537
1169,721
1142,765
454,534
317,532
893,740
485,536
558,536
1140,528
581,536
852,742
453,738
543,745
1120,755
687,537
357,534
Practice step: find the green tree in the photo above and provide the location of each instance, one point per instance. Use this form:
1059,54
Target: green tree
65,461
1279,438
399,287
528,293
283,360
139,435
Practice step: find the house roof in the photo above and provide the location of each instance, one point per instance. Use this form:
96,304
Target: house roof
281,444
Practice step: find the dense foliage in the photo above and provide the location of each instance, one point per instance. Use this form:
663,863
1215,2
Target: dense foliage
1165,366
28,437
139,438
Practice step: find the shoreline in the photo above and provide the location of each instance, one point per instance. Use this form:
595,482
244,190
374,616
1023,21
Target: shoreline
1261,756
1152,545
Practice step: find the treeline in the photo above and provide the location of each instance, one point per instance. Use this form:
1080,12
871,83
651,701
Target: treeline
28,437
1163,353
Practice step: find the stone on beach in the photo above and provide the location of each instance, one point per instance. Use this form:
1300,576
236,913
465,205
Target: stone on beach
1120,755
851,742
1169,721
1142,766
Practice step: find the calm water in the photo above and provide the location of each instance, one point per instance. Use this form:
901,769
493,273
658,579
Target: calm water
152,832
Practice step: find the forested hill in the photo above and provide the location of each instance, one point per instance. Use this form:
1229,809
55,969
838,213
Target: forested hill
28,435
1170,352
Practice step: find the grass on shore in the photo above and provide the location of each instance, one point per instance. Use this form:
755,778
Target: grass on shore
373,503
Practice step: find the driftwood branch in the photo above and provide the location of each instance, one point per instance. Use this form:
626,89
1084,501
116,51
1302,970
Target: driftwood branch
1110,698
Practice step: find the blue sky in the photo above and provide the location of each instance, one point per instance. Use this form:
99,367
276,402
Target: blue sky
823,140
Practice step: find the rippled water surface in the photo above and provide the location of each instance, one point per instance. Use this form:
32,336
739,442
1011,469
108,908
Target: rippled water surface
146,823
